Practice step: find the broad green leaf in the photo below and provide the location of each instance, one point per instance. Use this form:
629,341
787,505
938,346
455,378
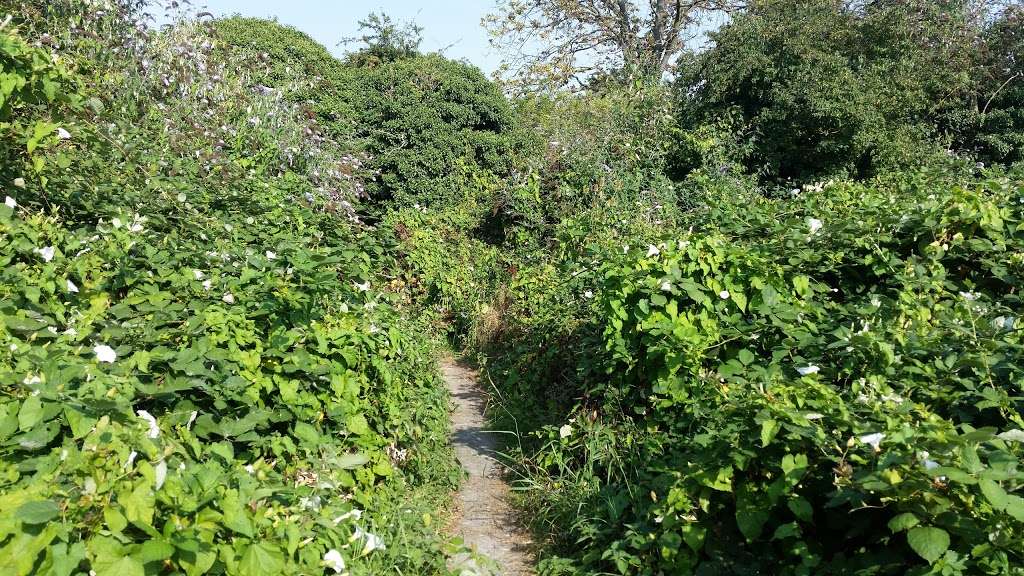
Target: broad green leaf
262,559
903,522
357,425
801,508
769,428
350,461
930,543
37,511
994,493
1015,507
123,566
30,414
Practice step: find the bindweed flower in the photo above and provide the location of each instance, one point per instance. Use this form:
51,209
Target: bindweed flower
10,202
228,298
353,513
588,294
160,471
808,370
372,541
873,440
72,287
63,134
104,353
154,429
334,561
666,287
207,285
969,296
724,295
652,250
364,287
19,182
271,255
565,431
814,225
46,252
198,274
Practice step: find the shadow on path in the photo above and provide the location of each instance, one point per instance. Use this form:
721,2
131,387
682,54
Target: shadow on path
486,522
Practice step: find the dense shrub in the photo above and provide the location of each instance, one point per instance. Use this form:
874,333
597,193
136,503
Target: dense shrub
825,384
296,65
832,88
424,117
199,372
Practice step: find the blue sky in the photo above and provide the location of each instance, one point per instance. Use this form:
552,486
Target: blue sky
453,25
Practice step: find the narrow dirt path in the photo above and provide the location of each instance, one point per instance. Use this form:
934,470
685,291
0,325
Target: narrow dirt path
485,520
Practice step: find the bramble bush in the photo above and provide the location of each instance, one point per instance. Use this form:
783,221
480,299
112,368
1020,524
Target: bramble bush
821,384
200,371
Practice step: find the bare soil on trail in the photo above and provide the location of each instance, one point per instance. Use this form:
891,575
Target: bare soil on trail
485,520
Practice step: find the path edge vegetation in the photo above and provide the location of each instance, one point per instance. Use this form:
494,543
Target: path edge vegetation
740,322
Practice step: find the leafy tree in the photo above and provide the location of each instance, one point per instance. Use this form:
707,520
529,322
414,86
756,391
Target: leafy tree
832,87
385,40
575,40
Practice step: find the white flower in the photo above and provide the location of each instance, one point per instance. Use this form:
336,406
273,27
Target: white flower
161,474
814,224
154,430
131,459
135,228
198,274
666,286
310,503
373,542
105,353
31,380
90,486
334,561
10,202
192,418
353,513
814,416
207,284
969,296
250,468
724,295
72,287
365,286
63,134
565,431
873,440
228,298
807,370
652,250
117,222
876,302
19,182
271,255
588,294
46,252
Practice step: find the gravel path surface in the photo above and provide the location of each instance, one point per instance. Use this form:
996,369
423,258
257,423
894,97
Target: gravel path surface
485,519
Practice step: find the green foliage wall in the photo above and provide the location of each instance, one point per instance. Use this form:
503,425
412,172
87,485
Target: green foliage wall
199,371
823,89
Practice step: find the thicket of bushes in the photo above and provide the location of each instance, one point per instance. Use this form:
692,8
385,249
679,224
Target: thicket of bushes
765,320
201,371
